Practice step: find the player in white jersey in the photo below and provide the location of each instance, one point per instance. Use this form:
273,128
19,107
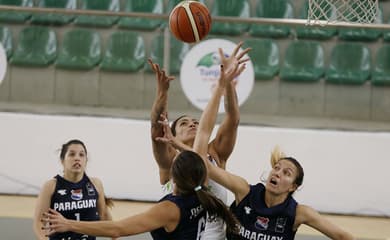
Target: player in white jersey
184,130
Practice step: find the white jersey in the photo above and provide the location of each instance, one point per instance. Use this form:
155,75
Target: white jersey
216,229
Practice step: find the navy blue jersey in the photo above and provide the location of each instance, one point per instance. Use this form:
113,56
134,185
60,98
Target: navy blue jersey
77,201
261,222
192,219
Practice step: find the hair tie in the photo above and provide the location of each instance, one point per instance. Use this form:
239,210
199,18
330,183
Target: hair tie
197,188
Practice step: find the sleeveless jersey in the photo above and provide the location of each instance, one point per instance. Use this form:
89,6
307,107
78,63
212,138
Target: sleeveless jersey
263,223
77,201
192,219
216,229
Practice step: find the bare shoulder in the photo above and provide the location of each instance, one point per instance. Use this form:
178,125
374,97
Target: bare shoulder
50,184
304,214
48,187
97,183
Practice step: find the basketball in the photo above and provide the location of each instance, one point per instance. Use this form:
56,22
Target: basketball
190,21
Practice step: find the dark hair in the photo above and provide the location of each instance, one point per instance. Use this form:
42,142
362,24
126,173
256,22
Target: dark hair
174,123
300,174
65,147
189,172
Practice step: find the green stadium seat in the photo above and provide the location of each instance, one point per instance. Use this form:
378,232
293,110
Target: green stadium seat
6,40
125,52
54,18
315,32
37,47
272,9
150,6
350,64
15,16
230,8
98,21
362,34
265,57
81,50
303,62
172,3
381,72
178,51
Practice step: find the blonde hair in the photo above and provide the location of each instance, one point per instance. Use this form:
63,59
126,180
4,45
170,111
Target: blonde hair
276,155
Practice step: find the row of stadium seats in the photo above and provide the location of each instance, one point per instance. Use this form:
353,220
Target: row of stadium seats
150,6
82,49
304,61
234,8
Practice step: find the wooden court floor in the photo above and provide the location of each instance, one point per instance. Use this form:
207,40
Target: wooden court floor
360,227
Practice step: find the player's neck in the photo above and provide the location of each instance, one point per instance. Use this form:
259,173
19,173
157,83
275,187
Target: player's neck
272,200
73,177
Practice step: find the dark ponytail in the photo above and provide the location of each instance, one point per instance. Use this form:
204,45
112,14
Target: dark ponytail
189,174
216,208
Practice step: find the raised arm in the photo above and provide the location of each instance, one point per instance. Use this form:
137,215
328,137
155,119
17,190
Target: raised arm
223,144
163,152
309,216
209,114
164,214
236,184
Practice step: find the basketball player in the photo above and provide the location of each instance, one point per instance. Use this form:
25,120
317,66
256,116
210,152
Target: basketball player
184,129
269,211
181,214
74,195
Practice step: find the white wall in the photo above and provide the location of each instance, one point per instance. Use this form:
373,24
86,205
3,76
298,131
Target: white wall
345,172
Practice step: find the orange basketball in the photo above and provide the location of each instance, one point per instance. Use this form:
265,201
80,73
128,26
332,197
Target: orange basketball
190,21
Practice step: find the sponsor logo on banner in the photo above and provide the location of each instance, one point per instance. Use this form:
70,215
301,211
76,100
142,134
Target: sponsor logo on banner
200,71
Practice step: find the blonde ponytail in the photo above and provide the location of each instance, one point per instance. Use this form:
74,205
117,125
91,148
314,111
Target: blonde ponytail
276,155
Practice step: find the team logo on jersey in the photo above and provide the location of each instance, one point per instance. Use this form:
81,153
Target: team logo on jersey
247,210
77,194
262,223
280,224
62,192
90,189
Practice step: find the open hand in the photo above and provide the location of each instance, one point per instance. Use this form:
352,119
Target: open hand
235,56
54,222
163,80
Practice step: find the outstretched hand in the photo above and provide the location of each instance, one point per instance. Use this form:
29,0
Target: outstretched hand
235,56
230,73
54,222
163,80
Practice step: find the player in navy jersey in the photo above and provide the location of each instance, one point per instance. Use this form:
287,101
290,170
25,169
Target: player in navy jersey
74,195
269,212
182,214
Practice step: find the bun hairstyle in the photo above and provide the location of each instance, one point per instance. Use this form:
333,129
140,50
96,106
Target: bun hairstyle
189,173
